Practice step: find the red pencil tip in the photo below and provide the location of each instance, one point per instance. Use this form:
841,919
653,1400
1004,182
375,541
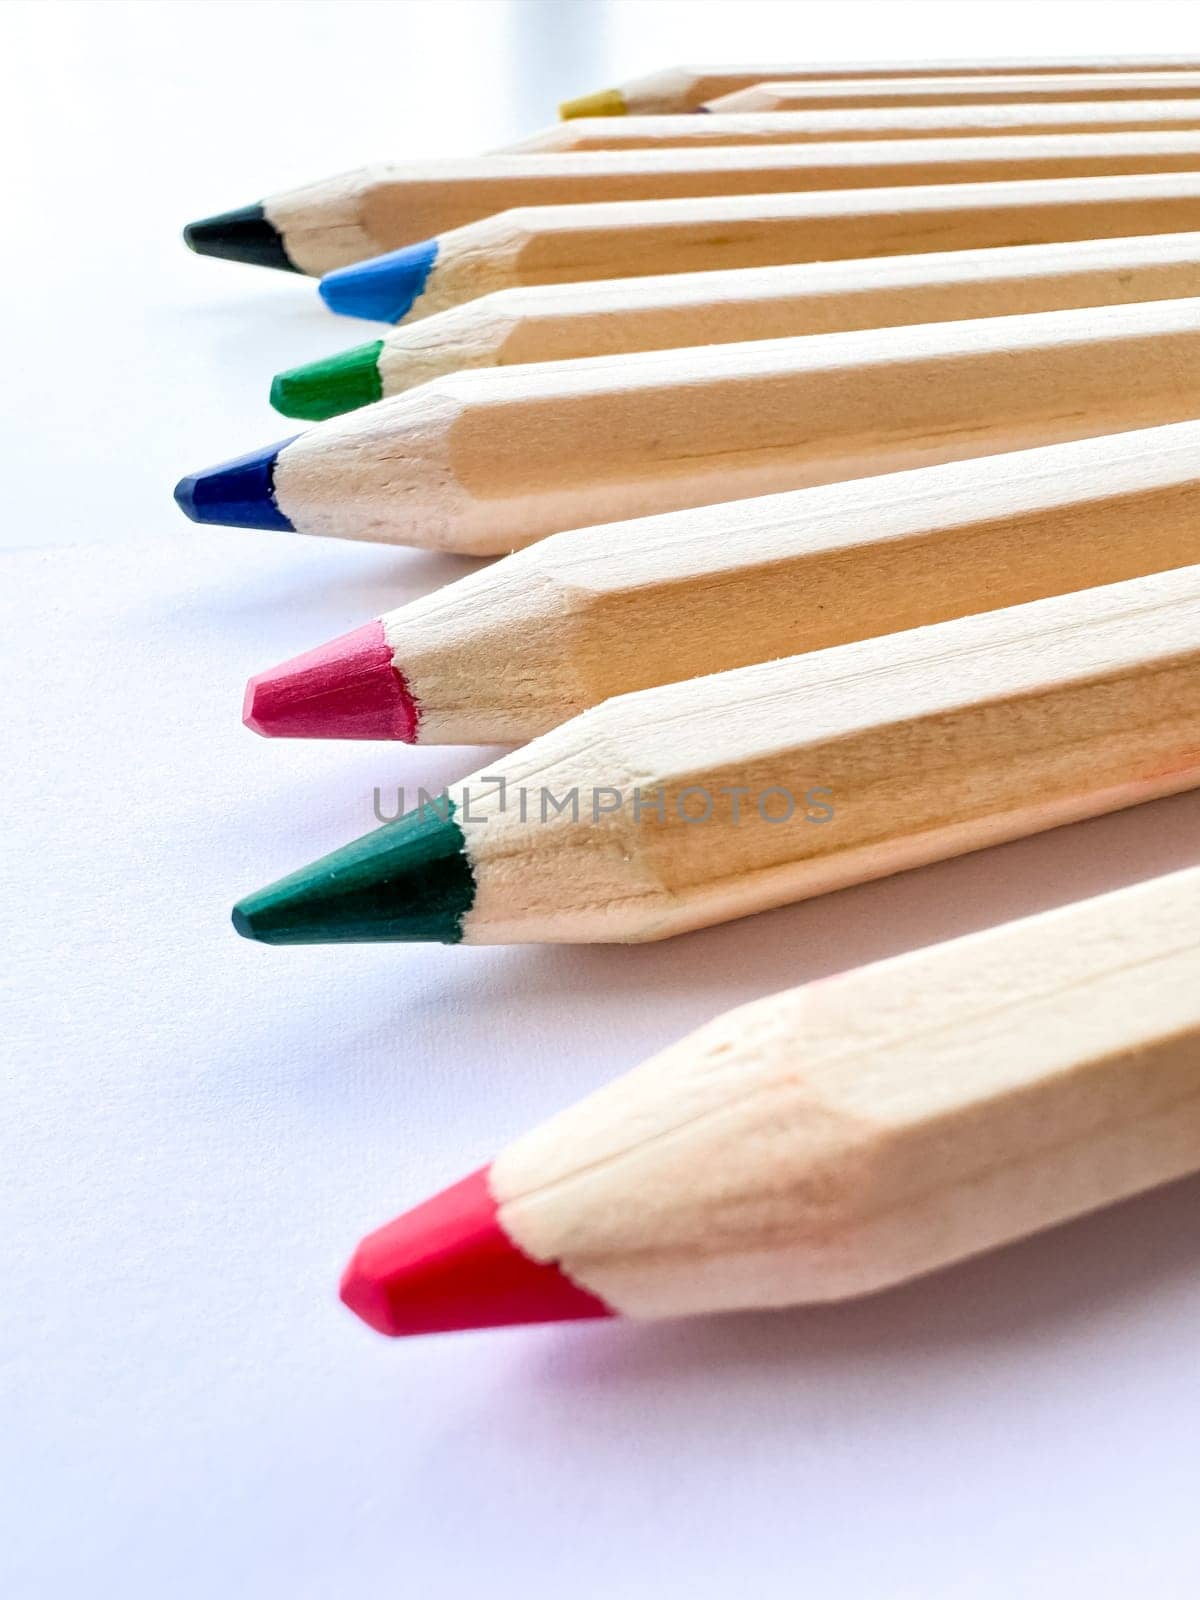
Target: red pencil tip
346,689
448,1264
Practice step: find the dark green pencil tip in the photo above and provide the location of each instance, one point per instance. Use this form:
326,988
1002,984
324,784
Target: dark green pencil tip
328,388
410,880
242,235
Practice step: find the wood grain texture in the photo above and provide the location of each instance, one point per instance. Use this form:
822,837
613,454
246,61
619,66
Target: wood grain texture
866,1129
361,214
570,321
926,744
509,652
485,462
965,121
575,244
780,94
686,88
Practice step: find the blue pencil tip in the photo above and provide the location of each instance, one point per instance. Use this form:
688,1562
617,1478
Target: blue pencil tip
382,290
237,494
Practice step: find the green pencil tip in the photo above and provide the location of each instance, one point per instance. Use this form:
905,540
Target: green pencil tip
410,880
327,388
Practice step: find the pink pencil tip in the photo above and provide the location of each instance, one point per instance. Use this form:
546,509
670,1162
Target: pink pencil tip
448,1265
346,689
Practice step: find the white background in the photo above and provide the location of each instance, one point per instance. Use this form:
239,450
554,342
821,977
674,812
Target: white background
194,1131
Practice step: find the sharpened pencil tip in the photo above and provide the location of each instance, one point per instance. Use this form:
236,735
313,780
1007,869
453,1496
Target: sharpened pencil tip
410,881
236,494
448,1265
384,289
346,689
327,388
242,235
605,103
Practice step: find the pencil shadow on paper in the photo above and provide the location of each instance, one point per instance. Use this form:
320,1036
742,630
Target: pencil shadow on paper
293,303
705,972
503,1006
397,576
1072,1284
291,327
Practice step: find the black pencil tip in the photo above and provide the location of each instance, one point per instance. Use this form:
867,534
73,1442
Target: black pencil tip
244,235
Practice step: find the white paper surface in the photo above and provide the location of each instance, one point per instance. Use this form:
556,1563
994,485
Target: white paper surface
195,1131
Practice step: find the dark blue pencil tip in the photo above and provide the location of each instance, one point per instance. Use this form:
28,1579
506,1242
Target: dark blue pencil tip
237,494
382,290
242,235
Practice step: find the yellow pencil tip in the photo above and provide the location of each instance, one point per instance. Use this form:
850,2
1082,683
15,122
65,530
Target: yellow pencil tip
607,103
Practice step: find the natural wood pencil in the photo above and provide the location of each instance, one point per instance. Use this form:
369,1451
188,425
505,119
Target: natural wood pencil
510,652
564,322
967,121
484,462
576,244
696,802
998,89
836,1139
357,215
687,88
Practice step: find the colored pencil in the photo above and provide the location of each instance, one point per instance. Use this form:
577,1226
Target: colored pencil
508,653
967,121
514,327
485,462
866,93
688,88
576,244
837,1139
689,804
362,214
